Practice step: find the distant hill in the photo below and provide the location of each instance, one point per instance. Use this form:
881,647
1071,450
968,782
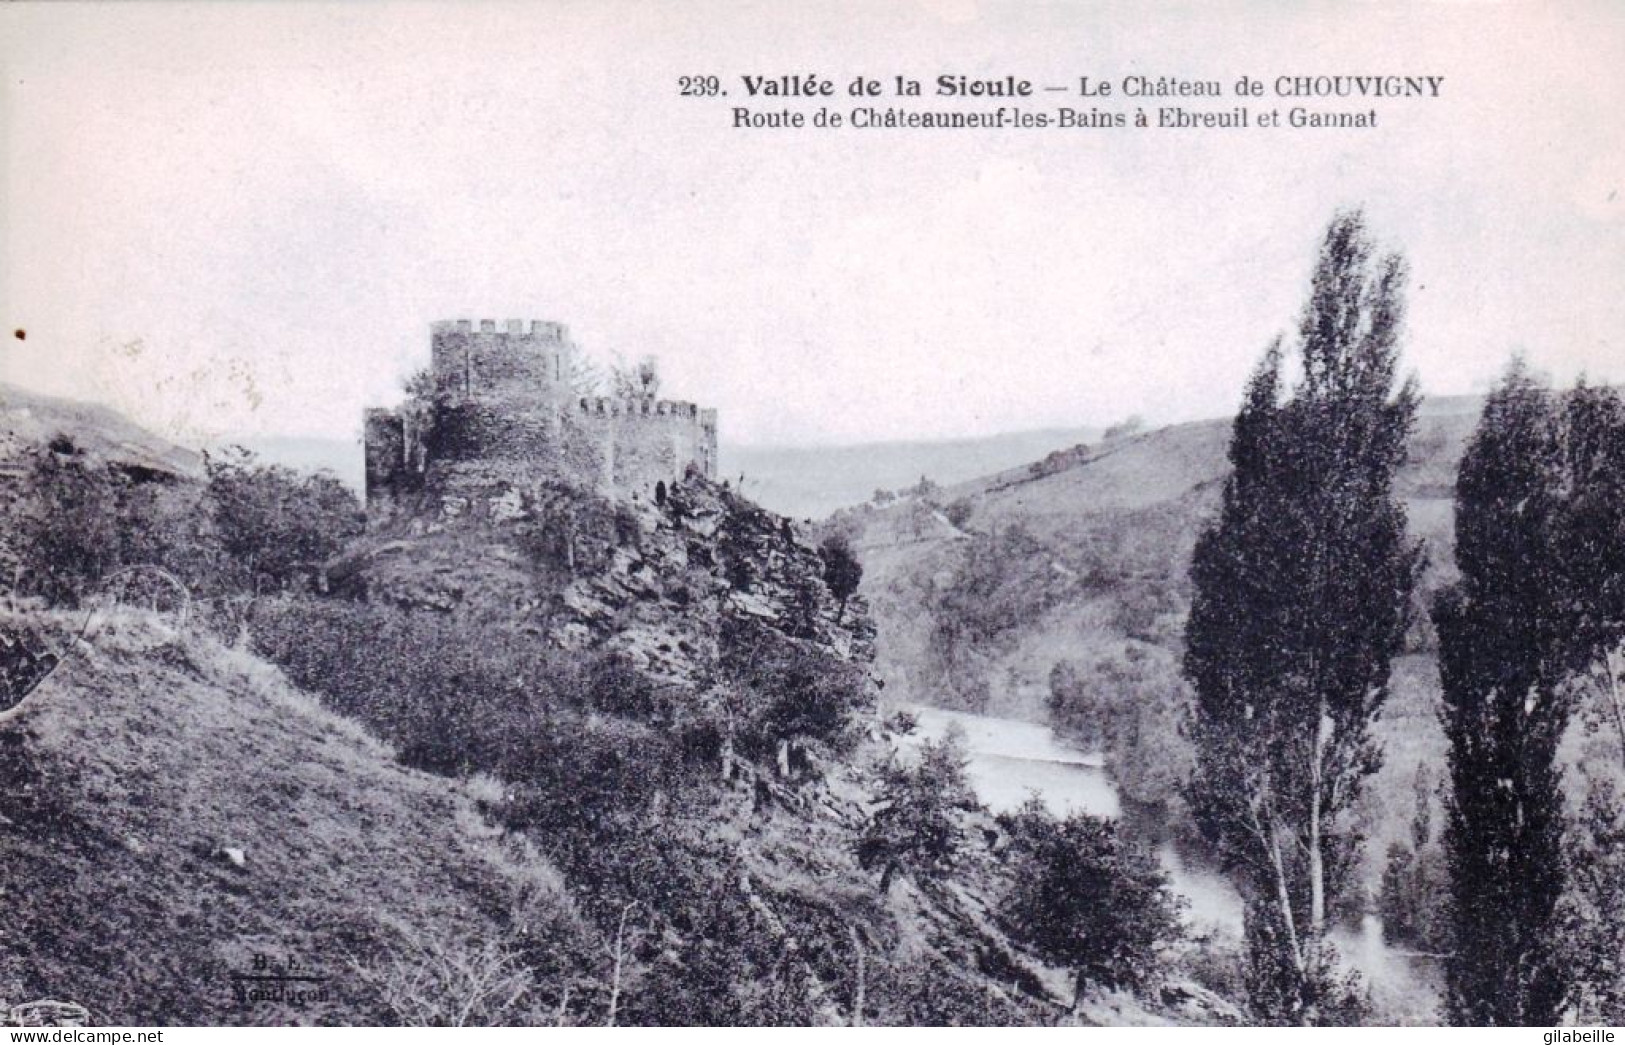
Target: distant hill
809,482
1115,523
28,418
342,457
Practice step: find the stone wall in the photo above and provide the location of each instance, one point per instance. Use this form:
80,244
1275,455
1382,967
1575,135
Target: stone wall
627,446
396,454
507,364
504,416
384,451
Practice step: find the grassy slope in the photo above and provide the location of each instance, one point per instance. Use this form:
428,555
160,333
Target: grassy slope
802,482
133,768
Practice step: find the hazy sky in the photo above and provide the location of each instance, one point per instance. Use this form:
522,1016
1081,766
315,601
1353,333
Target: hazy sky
242,217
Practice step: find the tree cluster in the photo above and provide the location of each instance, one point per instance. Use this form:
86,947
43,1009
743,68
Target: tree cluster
1131,705
1085,898
247,528
1303,588
1540,607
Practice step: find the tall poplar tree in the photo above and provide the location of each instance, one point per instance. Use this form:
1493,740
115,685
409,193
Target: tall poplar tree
1593,546
1302,598
1539,503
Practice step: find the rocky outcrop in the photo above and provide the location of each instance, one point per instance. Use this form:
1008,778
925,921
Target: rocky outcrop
656,581
702,558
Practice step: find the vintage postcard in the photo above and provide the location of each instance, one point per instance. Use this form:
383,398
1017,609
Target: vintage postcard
845,514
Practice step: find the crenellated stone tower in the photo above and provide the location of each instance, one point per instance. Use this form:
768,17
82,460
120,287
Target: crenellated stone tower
504,414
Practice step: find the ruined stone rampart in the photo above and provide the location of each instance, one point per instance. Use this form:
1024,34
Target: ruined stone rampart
504,415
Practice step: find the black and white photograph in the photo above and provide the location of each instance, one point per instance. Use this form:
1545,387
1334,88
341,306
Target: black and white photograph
843,515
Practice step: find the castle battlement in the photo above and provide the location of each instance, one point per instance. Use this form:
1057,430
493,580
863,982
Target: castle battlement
505,362
539,328
644,406
506,406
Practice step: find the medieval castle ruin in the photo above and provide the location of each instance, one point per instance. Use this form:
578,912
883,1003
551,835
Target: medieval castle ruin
503,413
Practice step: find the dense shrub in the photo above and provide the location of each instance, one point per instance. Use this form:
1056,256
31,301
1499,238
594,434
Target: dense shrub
573,533
731,968
1083,897
795,691
1415,892
917,828
602,797
452,698
28,654
615,687
249,528
1413,898
1593,911
277,522
1132,425
1003,582
591,786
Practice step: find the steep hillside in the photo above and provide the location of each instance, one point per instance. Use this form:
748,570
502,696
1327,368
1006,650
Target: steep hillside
1105,534
803,482
172,813
529,755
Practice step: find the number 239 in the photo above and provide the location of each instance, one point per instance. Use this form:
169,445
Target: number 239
698,86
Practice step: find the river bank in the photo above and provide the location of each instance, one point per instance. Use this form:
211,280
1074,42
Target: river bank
1011,760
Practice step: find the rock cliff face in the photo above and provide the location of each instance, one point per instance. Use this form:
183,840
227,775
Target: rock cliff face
656,582
700,560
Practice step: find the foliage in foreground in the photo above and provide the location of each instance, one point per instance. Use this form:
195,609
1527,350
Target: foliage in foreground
1593,912
917,828
1132,705
1085,898
1414,898
248,528
1540,541
1302,595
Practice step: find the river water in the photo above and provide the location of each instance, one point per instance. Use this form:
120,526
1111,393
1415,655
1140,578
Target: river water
1011,760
